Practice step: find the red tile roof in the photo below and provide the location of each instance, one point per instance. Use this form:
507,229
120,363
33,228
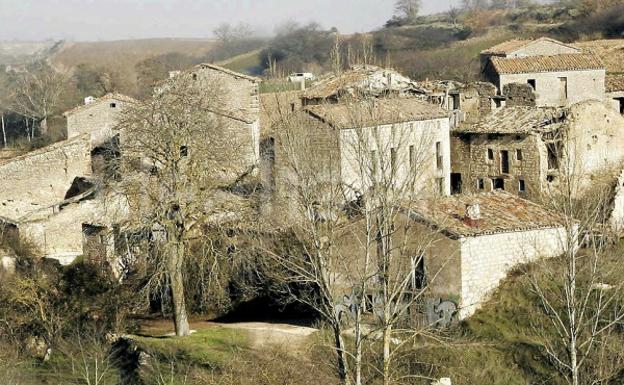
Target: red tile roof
535,64
501,212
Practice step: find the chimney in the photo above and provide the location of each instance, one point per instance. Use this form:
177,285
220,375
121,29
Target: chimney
89,100
173,74
473,211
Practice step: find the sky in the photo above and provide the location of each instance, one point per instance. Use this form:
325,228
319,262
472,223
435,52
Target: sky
95,20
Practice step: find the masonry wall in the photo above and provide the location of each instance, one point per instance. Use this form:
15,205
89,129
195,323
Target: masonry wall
486,260
470,159
581,86
97,120
595,138
42,177
241,97
422,135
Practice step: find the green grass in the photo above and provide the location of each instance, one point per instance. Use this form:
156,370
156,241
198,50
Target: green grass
207,348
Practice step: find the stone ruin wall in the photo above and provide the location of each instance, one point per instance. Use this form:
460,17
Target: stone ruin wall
41,178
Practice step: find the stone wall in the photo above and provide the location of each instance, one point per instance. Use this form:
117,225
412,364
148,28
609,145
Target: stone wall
470,159
97,120
595,138
517,94
581,86
476,100
486,260
419,137
42,177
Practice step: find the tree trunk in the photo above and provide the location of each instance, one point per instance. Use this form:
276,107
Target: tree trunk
180,318
4,138
387,339
343,365
358,346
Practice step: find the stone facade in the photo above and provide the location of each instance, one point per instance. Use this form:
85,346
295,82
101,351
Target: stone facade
239,104
586,139
97,118
41,178
561,88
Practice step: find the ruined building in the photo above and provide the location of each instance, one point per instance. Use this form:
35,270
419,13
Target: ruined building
524,149
238,102
560,74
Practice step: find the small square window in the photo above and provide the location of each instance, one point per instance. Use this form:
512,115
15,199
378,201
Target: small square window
480,184
521,185
490,154
113,105
519,154
184,150
532,83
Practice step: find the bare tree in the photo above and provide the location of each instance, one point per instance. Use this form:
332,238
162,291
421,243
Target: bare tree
348,196
37,95
179,152
580,313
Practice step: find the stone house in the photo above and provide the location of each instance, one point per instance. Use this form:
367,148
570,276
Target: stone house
615,92
560,74
238,102
404,132
523,150
477,239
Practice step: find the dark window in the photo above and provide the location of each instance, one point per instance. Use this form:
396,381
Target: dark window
439,159
518,154
490,154
113,105
419,278
480,184
194,76
504,161
498,184
563,90
553,156
621,104
550,178
521,185
532,83
184,150
456,183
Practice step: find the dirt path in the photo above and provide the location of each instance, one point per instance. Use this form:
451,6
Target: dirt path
261,334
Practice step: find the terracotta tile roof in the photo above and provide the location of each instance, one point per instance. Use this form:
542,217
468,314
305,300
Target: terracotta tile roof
533,64
105,98
501,212
611,52
516,120
363,78
375,112
614,83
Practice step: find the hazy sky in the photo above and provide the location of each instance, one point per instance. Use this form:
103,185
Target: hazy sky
123,19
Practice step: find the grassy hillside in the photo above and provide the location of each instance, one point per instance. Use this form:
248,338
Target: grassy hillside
247,63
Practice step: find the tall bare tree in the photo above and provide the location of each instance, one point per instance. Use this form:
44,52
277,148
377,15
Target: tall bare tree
37,94
580,313
178,155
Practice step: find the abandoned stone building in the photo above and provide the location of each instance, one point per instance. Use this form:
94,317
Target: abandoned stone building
38,182
477,240
560,74
409,134
524,150
238,102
